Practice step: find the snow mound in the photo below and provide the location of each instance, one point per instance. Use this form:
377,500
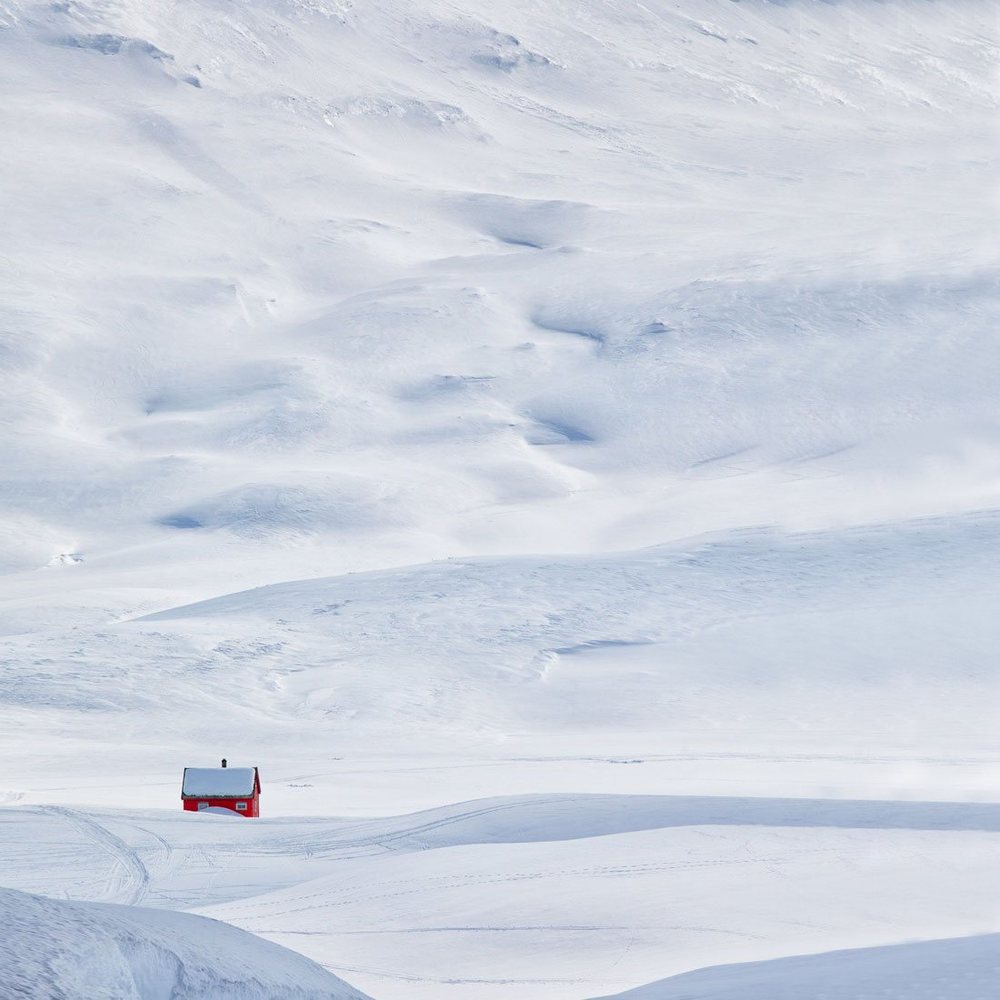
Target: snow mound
94,951
959,969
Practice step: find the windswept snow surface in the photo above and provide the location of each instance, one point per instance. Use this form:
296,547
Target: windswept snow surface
556,442
88,951
964,969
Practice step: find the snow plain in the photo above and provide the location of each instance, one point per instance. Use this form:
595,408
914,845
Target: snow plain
556,442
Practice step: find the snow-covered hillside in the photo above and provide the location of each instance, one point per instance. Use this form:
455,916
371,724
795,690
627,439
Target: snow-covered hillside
297,288
555,441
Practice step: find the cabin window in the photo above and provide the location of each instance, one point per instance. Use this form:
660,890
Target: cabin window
241,806
202,805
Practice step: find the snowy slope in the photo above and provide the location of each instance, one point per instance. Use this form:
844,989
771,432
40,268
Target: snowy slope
767,649
961,969
555,442
347,286
87,951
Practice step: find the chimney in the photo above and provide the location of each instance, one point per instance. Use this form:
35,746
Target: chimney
223,761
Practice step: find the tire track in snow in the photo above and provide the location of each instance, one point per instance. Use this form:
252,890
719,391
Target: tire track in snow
391,839
331,898
129,879
168,848
400,977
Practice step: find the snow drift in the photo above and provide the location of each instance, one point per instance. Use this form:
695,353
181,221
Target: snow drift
95,951
958,969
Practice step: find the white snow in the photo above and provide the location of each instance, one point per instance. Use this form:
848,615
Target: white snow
93,951
544,895
219,781
963,969
556,442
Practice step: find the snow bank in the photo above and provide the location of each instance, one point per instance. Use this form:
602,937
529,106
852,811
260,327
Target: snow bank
959,969
94,951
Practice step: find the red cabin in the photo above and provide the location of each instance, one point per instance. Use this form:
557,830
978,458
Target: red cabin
233,788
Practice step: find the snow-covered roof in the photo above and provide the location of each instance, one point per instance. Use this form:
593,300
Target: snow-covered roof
218,782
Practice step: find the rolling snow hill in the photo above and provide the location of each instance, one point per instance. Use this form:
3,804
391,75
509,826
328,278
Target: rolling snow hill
51,948
557,442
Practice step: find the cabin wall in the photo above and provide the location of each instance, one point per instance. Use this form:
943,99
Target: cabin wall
252,801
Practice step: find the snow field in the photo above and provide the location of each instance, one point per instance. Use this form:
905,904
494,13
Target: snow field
556,442
550,895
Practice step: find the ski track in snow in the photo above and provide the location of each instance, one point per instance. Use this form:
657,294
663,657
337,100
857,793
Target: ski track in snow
129,879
